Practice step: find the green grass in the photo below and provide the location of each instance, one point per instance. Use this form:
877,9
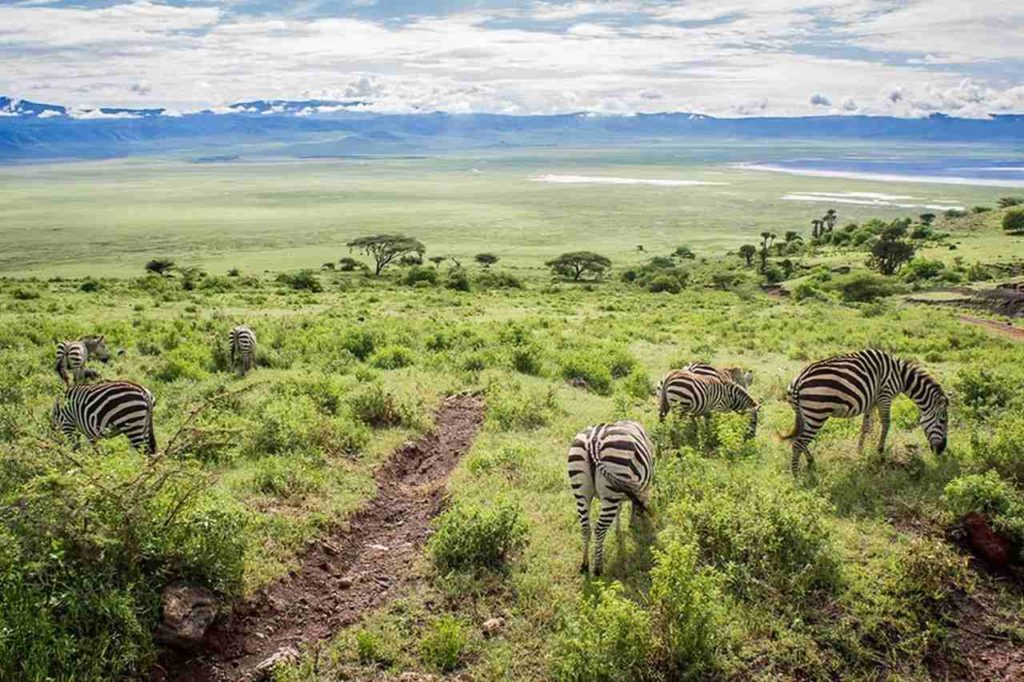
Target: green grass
110,217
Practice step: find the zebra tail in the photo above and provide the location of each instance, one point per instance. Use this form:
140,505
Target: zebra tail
798,425
624,486
150,432
62,367
663,407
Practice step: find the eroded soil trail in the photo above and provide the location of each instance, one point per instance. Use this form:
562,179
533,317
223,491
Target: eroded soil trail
1000,328
348,573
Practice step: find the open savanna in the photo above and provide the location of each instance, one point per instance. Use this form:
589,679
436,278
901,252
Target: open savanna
104,218
746,572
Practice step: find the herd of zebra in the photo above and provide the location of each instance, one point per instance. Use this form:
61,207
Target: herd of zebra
614,462
101,409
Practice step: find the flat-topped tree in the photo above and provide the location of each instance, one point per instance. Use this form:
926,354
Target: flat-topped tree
160,266
385,248
579,263
486,259
748,251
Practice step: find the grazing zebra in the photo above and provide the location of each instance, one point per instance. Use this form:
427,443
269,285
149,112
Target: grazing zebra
743,377
243,347
611,462
859,383
107,409
701,394
72,356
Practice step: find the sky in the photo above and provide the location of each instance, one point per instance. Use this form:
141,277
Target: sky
718,57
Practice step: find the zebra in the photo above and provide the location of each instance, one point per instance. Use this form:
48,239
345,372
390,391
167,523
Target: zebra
611,462
106,409
859,383
243,347
72,356
702,394
739,375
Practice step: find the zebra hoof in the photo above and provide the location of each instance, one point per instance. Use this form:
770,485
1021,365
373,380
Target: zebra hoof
584,568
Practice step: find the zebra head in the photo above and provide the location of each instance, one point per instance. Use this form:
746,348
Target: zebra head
935,422
97,347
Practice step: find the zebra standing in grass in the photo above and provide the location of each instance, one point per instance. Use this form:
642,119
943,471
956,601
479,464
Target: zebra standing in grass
611,462
107,409
858,384
738,375
701,394
72,356
243,348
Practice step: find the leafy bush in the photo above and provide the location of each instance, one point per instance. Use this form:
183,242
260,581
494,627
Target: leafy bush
498,280
472,538
862,287
609,639
664,283
375,406
286,477
392,357
373,649
1013,221
444,643
419,274
458,279
303,280
509,406
359,342
588,368
527,359
983,391
992,496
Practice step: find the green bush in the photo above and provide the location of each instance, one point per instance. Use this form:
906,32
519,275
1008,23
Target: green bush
372,648
303,280
472,538
375,406
983,392
1013,221
286,478
458,279
994,497
498,280
664,283
588,368
609,639
444,644
418,274
862,287
392,357
527,359
359,342
510,406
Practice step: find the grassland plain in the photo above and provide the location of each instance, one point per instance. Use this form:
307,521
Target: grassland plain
87,218
749,574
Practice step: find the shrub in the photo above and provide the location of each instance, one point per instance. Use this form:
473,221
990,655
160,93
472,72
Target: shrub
509,406
862,287
686,607
392,357
90,285
664,283
587,368
22,294
983,391
373,649
303,280
474,538
609,639
1013,221
348,264
359,342
286,478
994,497
418,273
458,279
498,280
444,643
527,359
375,406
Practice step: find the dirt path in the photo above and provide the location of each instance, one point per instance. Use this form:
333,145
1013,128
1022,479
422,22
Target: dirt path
347,574
998,327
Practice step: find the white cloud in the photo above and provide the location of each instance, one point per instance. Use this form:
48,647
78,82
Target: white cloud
726,57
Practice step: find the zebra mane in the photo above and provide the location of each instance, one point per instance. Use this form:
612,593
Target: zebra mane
918,384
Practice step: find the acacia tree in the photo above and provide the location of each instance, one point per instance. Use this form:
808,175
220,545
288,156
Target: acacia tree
748,251
160,266
926,218
486,259
437,260
1013,221
385,248
891,251
830,219
579,263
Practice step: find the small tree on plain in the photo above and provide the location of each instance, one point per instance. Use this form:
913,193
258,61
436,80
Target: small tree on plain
579,263
437,260
1007,202
1013,221
684,252
160,266
748,251
926,218
385,248
486,259
891,251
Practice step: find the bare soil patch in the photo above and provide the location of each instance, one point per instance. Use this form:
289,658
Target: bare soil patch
353,570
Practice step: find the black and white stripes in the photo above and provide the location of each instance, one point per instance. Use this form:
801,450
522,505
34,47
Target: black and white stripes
857,384
107,409
699,395
612,462
243,348
72,356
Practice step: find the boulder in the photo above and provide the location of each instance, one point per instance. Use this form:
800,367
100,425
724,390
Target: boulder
985,542
187,613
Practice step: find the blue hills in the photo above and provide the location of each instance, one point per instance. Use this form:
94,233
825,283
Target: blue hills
32,131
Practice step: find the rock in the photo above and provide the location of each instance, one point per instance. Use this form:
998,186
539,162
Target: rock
265,669
415,677
579,382
187,613
985,542
330,549
493,627
378,548
345,583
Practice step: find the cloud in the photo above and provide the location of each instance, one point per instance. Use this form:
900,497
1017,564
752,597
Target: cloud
725,57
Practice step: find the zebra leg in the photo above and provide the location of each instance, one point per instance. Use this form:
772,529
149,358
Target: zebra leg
583,509
801,443
884,407
865,429
609,510
752,428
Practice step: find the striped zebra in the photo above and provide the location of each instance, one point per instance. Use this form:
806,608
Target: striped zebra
699,395
612,462
243,348
72,356
105,410
859,384
738,375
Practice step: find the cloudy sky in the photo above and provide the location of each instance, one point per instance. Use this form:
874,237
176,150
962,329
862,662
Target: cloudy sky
721,57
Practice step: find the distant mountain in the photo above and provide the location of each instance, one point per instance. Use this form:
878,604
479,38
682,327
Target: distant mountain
30,131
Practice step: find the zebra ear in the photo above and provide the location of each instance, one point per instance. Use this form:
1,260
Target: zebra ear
102,337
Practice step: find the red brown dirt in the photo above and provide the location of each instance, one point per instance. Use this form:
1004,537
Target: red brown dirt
1004,329
350,572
